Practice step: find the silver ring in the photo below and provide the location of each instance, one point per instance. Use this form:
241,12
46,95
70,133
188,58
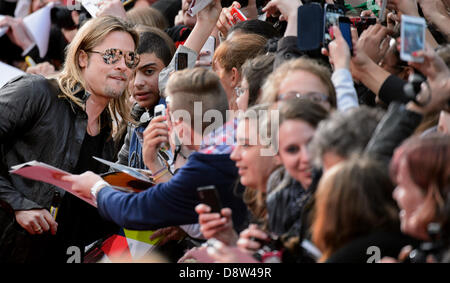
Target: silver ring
38,230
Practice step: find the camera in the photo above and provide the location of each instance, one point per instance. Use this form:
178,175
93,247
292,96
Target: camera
426,249
413,88
271,250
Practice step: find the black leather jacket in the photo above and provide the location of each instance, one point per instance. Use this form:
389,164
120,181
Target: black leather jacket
38,123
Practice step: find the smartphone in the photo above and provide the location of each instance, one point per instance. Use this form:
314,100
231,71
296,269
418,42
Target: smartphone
363,23
209,46
181,61
238,16
331,17
345,28
413,37
160,110
309,27
210,196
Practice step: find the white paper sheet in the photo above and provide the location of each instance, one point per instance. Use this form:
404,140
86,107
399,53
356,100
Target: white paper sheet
45,173
8,72
38,25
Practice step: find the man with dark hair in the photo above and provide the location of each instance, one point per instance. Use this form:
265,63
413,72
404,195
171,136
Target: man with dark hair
154,55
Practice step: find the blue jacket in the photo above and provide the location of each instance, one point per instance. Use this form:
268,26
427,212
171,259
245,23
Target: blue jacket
173,203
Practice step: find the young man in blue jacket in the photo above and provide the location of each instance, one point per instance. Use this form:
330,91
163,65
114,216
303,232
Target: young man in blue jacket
172,203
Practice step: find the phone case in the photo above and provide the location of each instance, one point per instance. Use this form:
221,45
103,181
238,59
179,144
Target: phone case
310,27
210,196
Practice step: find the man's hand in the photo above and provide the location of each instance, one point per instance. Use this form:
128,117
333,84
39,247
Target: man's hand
438,78
36,221
169,233
210,14
82,184
360,59
156,133
17,32
45,69
215,225
113,8
287,8
374,41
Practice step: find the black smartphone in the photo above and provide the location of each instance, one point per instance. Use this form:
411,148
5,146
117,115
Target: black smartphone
210,196
181,61
331,17
309,27
345,28
362,23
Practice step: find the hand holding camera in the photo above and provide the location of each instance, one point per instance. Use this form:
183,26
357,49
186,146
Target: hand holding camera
438,79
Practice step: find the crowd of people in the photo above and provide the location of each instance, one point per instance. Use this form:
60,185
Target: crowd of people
321,155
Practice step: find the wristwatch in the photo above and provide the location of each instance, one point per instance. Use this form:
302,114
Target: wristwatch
96,187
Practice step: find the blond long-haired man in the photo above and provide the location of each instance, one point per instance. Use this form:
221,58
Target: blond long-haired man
62,121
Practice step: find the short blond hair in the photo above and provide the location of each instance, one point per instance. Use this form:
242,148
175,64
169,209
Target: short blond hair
196,85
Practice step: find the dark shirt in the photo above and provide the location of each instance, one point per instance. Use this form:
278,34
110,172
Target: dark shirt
80,224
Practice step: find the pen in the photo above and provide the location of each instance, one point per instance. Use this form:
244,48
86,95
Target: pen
30,61
55,204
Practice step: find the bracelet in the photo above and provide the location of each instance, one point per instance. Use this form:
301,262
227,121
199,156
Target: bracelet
159,171
160,175
96,187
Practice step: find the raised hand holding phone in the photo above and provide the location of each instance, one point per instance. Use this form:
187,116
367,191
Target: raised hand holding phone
331,18
155,134
413,38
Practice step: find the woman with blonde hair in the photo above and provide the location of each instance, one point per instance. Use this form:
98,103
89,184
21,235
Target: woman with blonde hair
255,161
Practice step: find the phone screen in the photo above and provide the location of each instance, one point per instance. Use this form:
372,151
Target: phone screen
345,28
181,61
332,15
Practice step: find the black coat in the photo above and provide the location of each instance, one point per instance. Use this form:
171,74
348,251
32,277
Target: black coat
372,247
36,123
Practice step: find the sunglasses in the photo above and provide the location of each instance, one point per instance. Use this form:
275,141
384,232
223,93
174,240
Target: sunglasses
114,55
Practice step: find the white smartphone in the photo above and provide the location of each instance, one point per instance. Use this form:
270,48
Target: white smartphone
209,46
413,37
160,110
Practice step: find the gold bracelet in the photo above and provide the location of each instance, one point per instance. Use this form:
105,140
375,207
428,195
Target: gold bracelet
160,175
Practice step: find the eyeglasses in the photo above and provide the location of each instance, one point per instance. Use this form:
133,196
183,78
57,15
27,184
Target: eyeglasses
114,55
240,91
313,96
